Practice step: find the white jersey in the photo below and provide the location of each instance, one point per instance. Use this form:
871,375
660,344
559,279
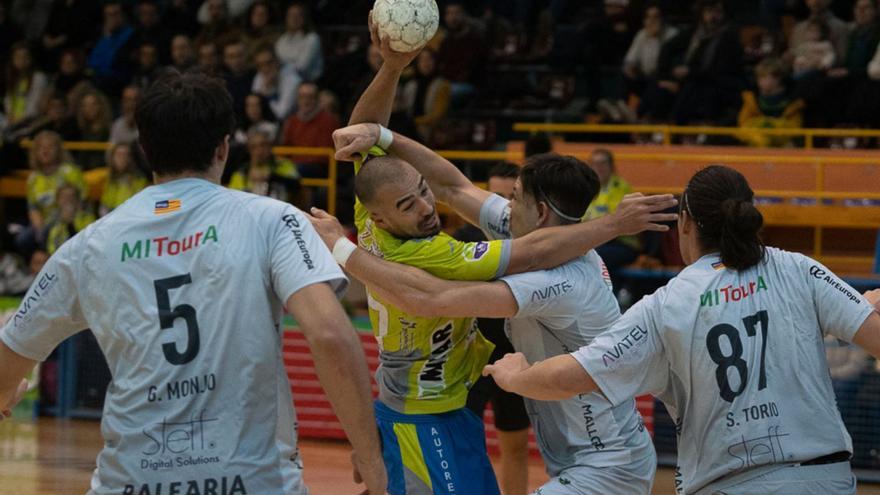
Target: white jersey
183,286
561,310
739,360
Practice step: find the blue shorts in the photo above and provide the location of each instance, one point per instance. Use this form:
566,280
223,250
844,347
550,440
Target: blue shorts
435,454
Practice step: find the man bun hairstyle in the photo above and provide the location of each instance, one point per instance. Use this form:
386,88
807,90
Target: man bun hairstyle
566,184
721,203
182,119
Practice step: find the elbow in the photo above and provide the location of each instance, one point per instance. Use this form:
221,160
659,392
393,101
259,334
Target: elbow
426,305
423,305
564,387
332,339
411,301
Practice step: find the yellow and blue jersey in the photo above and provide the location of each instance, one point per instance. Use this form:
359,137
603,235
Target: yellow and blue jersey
427,365
41,187
118,190
60,232
606,202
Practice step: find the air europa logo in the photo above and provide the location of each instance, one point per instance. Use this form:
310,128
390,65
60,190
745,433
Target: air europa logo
293,225
820,274
164,246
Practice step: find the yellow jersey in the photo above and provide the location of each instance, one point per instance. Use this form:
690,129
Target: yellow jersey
427,365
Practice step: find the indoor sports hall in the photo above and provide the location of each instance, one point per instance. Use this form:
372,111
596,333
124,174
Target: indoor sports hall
646,92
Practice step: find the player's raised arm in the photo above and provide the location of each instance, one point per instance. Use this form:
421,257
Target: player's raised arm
342,371
376,103
448,184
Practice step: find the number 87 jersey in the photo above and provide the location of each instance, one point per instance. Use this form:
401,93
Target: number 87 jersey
183,287
738,359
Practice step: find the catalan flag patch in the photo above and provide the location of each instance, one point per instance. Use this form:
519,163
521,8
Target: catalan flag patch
167,206
718,266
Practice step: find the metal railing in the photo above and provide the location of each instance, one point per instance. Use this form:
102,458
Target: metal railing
669,131
819,163
330,183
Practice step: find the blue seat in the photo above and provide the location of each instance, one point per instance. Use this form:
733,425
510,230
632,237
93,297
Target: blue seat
877,254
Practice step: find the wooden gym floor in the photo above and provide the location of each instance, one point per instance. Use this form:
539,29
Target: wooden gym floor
56,457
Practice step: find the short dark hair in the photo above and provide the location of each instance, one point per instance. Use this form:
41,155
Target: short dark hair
537,144
566,183
720,202
504,169
181,121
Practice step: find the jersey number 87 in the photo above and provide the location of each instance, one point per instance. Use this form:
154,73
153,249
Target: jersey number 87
734,359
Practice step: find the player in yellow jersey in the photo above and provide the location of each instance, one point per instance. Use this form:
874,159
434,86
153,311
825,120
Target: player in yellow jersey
431,443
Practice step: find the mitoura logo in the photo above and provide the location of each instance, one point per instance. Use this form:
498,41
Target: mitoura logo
732,293
165,246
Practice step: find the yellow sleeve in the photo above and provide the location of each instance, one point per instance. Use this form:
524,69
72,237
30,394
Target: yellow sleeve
108,195
619,188
447,258
32,191
749,109
286,169
793,115
238,181
74,176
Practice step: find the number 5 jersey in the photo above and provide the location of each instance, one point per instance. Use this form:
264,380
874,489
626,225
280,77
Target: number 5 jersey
183,286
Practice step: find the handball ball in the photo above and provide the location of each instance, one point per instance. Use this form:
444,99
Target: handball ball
408,24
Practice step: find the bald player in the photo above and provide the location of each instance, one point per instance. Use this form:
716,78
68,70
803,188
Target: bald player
431,443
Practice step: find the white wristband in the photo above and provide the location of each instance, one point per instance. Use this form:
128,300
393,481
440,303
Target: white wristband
386,137
342,251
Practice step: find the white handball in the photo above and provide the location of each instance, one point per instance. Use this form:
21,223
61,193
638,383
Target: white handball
408,24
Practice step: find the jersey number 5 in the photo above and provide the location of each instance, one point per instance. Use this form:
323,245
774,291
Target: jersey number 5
734,359
168,315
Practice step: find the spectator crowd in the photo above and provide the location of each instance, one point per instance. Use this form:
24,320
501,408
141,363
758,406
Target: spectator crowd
74,70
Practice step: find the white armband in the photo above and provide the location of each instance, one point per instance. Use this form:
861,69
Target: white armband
386,138
342,251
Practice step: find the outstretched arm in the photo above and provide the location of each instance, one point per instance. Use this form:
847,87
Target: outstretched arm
541,249
412,290
550,247
343,373
13,368
557,378
868,336
377,102
419,293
